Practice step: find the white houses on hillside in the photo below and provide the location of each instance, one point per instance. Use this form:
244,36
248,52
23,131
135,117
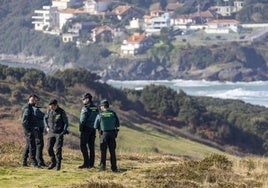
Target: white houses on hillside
46,18
63,4
66,14
229,10
155,24
96,6
135,44
222,26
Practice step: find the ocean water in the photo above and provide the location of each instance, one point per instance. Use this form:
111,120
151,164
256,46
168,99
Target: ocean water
251,92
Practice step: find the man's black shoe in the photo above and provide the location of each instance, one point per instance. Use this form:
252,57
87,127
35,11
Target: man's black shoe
115,170
58,166
102,169
83,166
42,164
24,164
51,166
36,166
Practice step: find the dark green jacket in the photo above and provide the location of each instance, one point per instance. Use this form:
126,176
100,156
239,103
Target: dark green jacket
38,117
88,115
56,121
107,121
27,117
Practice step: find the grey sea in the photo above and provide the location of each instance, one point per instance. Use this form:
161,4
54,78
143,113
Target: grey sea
255,93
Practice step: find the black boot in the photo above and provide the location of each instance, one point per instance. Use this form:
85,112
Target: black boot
52,164
24,163
42,164
85,165
35,164
58,165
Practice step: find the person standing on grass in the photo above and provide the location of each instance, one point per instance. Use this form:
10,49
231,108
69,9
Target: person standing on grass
56,123
27,121
39,137
88,134
38,121
107,123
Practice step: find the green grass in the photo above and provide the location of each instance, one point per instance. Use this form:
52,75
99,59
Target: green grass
146,158
148,140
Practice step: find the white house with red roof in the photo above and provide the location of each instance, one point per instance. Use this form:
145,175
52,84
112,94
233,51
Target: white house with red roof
135,44
222,26
66,14
195,18
102,33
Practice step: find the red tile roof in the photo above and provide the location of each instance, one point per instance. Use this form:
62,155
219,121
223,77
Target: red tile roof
121,9
99,30
223,21
136,38
173,6
72,11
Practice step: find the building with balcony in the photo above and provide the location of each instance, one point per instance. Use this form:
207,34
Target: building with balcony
224,26
45,18
135,44
96,6
64,4
155,24
66,14
102,33
229,10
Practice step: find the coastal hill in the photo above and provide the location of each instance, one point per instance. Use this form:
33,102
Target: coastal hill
182,143
228,125
194,56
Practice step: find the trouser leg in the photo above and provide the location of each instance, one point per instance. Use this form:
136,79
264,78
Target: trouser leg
112,146
25,153
39,147
50,144
30,139
59,144
83,147
91,146
103,147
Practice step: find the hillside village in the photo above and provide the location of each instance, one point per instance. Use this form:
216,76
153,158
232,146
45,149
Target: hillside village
72,20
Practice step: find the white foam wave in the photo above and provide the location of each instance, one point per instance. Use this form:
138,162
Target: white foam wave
251,92
234,93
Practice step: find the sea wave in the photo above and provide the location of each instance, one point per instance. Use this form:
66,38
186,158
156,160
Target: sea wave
251,92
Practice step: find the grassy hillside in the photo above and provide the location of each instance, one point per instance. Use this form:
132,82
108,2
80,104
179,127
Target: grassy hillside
146,158
153,150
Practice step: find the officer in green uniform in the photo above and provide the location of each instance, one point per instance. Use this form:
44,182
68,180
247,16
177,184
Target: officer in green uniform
56,123
88,134
38,121
39,138
107,123
28,127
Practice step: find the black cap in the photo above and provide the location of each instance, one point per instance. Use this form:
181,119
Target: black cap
104,103
87,96
53,102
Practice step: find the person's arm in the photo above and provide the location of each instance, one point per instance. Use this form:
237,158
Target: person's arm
65,121
117,123
97,122
45,121
83,118
25,119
